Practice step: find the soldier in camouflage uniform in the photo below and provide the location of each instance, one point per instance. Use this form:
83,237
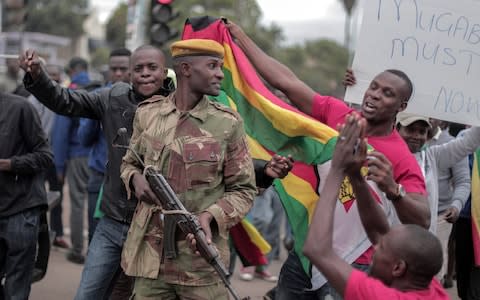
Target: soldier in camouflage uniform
200,147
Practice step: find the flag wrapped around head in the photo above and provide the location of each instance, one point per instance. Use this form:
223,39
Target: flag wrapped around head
272,126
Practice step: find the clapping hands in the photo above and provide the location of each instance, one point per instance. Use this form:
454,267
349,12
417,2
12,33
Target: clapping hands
351,148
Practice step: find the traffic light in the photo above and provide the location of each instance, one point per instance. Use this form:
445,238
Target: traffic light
161,14
14,15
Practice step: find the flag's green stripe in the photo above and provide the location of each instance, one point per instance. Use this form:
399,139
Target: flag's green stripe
477,154
297,216
302,148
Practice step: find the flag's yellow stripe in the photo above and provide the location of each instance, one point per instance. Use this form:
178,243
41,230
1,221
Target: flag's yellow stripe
295,186
476,194
256,237
302,191
286,121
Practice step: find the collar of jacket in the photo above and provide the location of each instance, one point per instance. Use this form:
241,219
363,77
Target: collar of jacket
200,111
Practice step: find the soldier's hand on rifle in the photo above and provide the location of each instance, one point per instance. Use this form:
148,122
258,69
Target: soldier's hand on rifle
143,192
205,218
30,63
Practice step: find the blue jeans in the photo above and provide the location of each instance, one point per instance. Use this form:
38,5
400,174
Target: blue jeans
18,245
103,259
77,177
95,181
56,223
293,283
266,215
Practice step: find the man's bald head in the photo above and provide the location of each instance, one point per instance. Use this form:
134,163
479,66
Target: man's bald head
419,248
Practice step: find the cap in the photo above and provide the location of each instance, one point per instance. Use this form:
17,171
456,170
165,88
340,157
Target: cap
406,119
197,47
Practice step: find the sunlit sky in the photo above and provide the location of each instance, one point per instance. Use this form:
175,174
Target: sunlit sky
299,10
273,10
297,18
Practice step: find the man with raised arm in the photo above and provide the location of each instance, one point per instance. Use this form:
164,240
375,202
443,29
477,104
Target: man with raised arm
407,257
200,147
114,108
395,170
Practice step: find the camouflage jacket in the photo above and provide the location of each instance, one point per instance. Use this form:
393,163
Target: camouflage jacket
204,156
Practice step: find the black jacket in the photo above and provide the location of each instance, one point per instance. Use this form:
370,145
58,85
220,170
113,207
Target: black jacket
23,141
115,107
262,180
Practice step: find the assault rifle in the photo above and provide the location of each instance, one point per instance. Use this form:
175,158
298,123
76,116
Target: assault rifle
175,215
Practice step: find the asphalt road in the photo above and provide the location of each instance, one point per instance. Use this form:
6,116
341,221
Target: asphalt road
63,277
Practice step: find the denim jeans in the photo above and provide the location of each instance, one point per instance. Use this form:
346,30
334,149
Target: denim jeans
18,245
103,259
77,177
95,181
266,215
56,223
293,283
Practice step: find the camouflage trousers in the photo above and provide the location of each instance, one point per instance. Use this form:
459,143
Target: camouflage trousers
149,289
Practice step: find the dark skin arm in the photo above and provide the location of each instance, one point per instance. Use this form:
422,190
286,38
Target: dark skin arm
30,63
279,166
142,189
413,207
318,246
451,214
349,78
274,72
371,214
5,164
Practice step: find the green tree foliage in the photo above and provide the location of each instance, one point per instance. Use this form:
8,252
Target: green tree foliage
246,13
348,6
100,57
116,27
320,63
57,17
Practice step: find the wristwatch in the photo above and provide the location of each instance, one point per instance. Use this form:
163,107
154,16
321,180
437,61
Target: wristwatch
399,194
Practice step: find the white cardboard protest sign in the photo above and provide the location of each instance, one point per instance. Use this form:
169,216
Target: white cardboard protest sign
435,42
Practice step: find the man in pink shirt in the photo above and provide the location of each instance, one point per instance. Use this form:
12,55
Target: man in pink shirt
407,257
395,171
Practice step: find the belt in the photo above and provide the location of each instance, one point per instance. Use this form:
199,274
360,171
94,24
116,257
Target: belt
152,238
179,236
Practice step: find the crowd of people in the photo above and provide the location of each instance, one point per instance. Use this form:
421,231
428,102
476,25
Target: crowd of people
411,183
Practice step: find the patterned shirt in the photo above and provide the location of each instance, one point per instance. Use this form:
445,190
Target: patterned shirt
203,155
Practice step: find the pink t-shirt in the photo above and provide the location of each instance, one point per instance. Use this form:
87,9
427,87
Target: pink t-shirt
360,286
406,171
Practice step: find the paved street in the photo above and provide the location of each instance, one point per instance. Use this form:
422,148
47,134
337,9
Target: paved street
63,277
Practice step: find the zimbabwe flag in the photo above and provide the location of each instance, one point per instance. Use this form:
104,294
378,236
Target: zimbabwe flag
475,198
272,127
